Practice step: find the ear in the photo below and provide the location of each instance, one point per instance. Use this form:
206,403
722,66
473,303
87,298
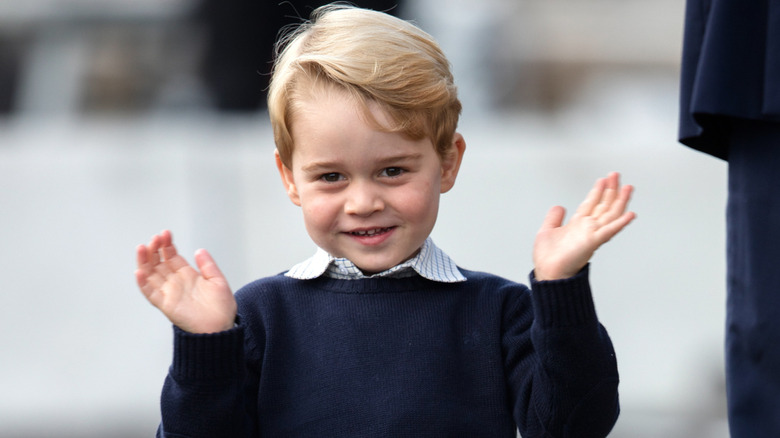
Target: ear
287,179
450,164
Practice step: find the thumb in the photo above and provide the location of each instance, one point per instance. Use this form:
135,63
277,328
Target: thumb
207,266
554,218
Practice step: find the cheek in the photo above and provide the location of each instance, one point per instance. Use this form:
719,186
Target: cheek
318,212
420,204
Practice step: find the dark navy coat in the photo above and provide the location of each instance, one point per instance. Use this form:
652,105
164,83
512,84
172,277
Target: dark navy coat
730,67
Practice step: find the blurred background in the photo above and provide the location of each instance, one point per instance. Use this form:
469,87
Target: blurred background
119,118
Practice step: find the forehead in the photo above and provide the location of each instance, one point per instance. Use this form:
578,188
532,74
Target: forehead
313,95
323,112
333,127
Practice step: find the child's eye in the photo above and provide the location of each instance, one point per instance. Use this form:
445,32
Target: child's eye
331,177
392,171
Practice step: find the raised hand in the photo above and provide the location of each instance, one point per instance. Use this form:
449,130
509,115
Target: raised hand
196,302
560,251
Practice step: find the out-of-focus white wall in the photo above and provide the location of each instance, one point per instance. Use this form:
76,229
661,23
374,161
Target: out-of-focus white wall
84,355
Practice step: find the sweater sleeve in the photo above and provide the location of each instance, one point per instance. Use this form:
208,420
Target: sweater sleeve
560,361
207,392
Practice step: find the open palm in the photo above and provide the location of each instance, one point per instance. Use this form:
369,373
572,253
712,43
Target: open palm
196,302
560,251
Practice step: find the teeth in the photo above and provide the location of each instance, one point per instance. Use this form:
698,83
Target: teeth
369,232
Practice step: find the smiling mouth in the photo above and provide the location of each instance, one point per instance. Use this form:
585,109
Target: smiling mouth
368,233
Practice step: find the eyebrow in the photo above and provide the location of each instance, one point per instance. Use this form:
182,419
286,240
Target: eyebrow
327,165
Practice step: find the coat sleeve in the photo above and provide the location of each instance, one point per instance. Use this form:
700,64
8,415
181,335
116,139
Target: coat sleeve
208,390
560,362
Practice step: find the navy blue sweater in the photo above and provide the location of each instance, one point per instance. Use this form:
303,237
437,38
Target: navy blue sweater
398,358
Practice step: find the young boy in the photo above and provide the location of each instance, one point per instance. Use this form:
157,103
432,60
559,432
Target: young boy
380,334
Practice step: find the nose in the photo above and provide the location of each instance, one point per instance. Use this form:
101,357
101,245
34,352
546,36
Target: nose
363,199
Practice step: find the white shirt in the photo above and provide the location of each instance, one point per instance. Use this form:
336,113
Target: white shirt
430,263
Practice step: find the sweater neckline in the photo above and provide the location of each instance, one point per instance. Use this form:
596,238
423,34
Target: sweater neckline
373,285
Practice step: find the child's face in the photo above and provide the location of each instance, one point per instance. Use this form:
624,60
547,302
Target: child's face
366,195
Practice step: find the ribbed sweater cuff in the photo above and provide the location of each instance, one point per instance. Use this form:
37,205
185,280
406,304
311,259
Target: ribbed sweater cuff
563,303
207,356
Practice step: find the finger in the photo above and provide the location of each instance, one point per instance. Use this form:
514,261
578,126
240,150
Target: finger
145,271
153,294
141,277
613,179
148,261
608,196
141,255
162,256
169,254
624,197
618,207
592,198
153,250
165,239
207,266
554,218
609,230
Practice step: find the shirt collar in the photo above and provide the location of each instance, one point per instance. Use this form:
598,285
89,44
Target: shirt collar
431,263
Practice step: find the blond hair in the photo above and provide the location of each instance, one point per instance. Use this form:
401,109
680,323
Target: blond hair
374,57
